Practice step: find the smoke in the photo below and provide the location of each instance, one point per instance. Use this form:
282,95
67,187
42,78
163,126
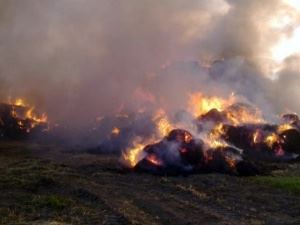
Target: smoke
79,59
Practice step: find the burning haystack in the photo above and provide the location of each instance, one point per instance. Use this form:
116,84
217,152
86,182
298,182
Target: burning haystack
19,120
223,136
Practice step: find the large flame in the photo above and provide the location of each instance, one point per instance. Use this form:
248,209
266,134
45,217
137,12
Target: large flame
199,104
213,132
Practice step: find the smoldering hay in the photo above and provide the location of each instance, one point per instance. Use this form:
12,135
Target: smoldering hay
81,60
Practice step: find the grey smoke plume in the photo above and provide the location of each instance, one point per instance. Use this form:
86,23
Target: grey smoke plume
79,59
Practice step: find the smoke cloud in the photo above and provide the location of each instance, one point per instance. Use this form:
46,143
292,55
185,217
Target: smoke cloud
79,59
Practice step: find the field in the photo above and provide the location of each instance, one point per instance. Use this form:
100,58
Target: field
49,184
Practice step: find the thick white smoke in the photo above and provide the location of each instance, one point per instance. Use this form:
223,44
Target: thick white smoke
79,59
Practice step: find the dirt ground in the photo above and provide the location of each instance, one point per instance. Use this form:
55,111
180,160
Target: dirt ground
53,185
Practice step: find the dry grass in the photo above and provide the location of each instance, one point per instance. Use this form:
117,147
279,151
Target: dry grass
45,185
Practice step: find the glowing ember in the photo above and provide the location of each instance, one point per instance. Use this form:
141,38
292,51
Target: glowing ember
231,162
187,137
115,131
153,159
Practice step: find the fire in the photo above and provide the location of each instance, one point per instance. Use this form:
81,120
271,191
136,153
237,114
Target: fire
115,131
133,155
187,137
217,143
231,162
256,137
235,113
22,111
162,122
152,158
218,130
164,126
284,127
242,115
18,119
38,119
271,139
222,131
19,102
200,104
214,138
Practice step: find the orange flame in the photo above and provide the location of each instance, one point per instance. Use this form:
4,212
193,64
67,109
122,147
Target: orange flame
38,119
271,139
163,125
199,104
29,114
214,138
284,127
134,154
241,114
19,102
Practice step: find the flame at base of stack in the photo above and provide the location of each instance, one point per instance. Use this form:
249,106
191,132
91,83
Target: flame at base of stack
176,154
228,140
